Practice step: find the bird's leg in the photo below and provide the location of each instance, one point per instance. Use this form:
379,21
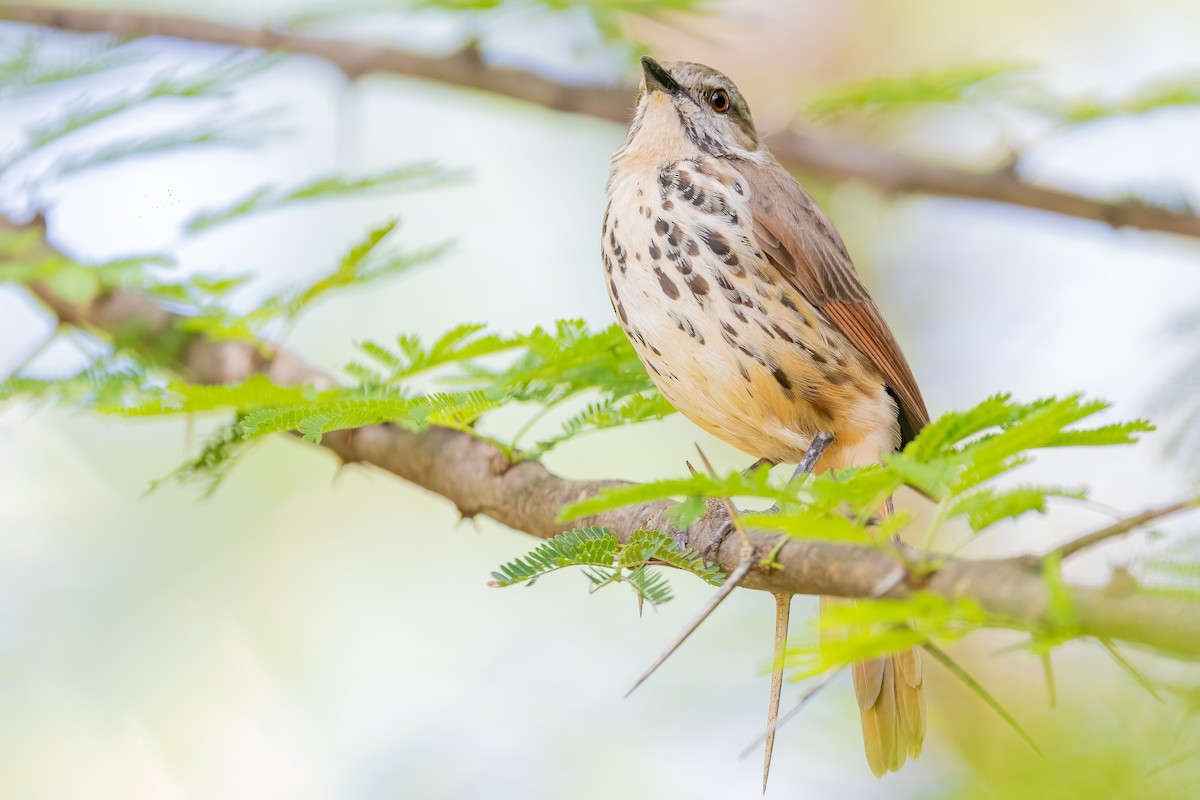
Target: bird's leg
820,443
783,605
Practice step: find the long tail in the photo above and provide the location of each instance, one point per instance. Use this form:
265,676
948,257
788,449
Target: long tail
891,700
783,607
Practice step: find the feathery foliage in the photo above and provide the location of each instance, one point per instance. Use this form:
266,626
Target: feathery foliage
947,461
1174,567
1013,85
956,85
606,560
266,198
956,461
210,83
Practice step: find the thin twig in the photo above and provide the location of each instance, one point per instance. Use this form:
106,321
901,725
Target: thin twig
1120,527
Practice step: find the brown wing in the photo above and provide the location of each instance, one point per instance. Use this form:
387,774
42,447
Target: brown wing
802,243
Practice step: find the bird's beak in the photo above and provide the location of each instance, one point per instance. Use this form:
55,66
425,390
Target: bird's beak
657,78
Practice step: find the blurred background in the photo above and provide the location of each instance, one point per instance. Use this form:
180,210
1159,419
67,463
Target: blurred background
310,632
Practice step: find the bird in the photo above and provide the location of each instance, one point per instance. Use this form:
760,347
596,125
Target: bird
740,298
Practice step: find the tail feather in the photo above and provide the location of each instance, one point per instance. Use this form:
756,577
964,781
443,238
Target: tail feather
910,699
891,702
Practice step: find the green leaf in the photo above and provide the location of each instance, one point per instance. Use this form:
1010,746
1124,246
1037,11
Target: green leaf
606,561
755,484
610,413
985,507
810,522
590,546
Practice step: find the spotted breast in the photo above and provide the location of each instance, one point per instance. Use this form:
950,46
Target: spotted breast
732,345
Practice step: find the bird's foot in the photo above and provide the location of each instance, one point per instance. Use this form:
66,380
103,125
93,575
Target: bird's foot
724,528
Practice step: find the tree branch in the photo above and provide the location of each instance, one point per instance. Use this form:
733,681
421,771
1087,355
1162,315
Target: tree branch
479,479
819,155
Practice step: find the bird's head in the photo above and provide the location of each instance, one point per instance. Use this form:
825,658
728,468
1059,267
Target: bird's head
686,109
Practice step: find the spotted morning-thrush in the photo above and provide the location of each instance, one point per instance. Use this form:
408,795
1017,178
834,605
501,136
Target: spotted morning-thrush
740,298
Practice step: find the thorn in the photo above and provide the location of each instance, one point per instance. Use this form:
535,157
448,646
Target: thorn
691,469
783,606
735,578
1125,664
1048,667
795,709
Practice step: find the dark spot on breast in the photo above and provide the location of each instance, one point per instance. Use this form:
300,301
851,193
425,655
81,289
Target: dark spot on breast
607,262
661,226
668,286
737,187
691,247
732,331
715,241
742,369
765,329
641,209
639,192
782,378
787,301
673,236
654,251
668,205
617,248
753,354
621,313
737,312
782,333
697,284
687,327
654,350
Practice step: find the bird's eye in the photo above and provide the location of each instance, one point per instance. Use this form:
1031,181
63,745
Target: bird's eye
719,100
